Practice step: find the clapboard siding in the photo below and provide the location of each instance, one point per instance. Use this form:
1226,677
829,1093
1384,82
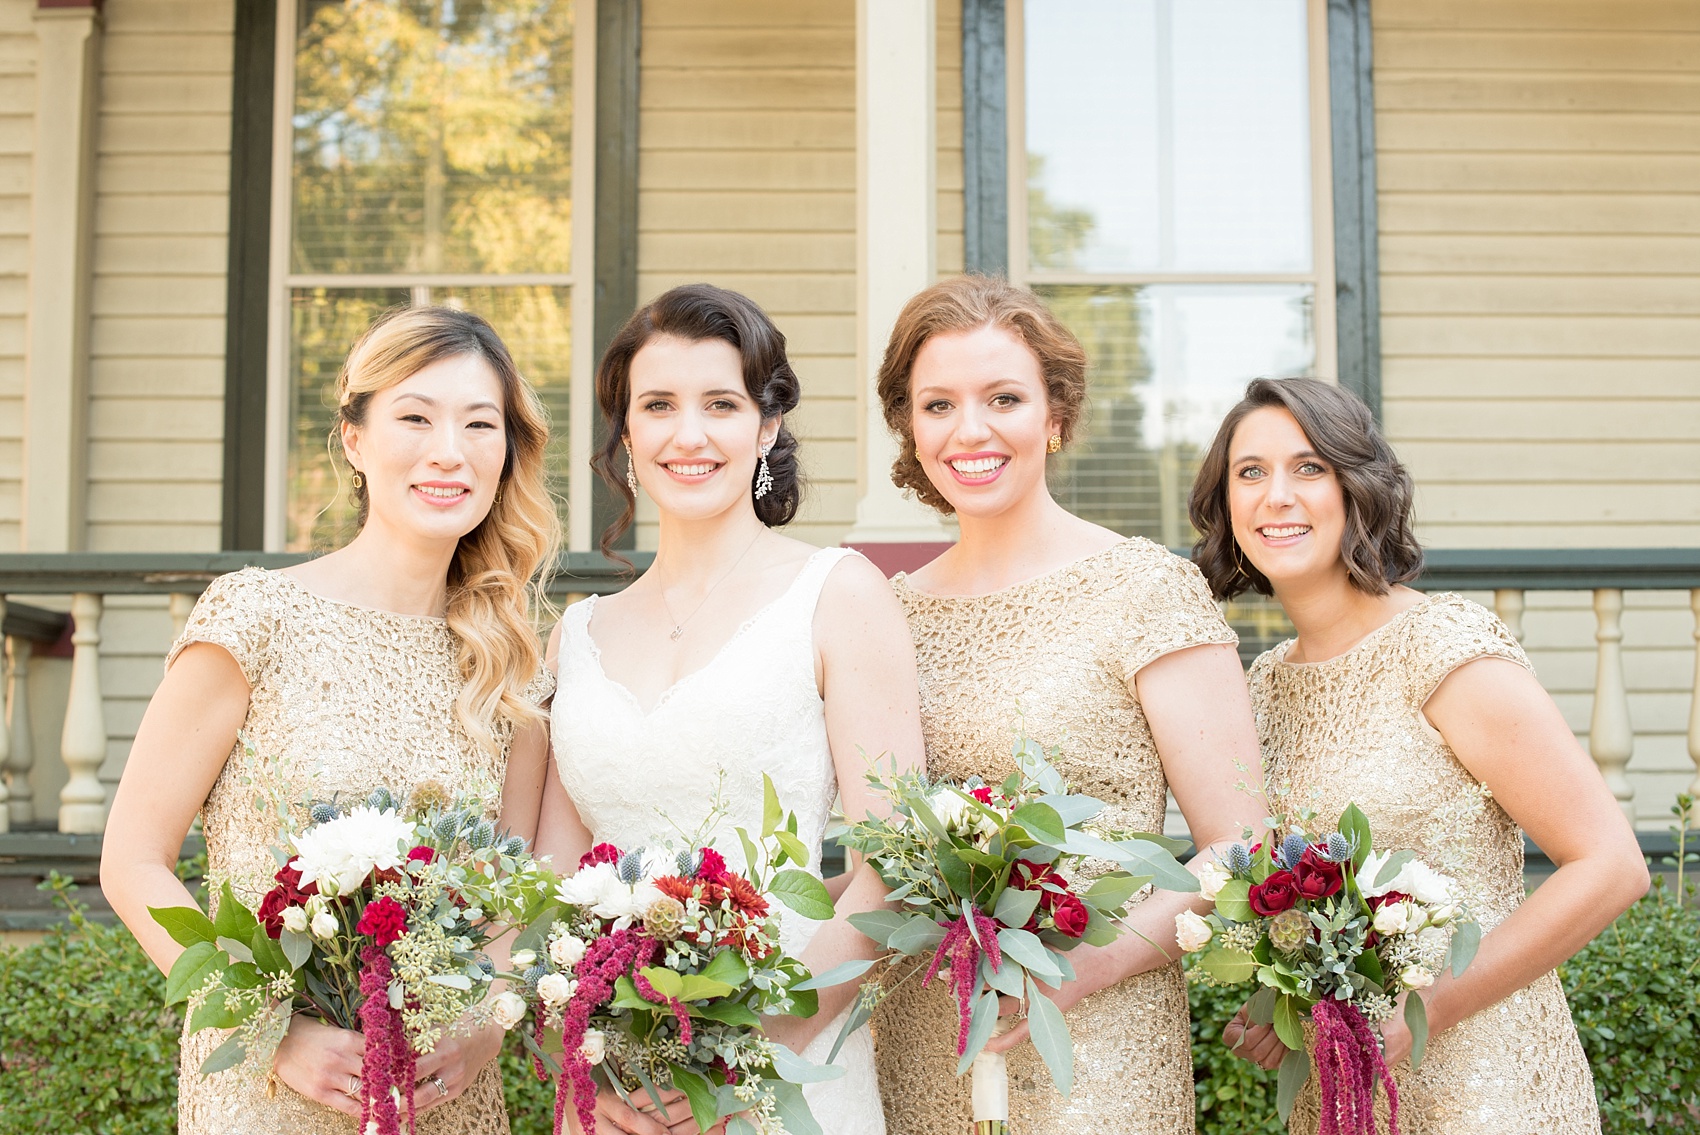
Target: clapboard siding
1540,257
17,143
157,337
747,178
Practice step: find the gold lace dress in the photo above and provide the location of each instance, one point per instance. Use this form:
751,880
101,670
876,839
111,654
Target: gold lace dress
1351,730
1064,647
367,697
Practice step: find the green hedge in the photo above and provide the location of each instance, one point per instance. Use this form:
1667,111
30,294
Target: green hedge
87,1049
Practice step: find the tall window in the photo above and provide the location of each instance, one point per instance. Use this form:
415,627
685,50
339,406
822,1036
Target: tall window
1175,214
424,156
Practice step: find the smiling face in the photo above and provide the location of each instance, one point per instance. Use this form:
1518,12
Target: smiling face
1284,501
981,419
431,448
695,432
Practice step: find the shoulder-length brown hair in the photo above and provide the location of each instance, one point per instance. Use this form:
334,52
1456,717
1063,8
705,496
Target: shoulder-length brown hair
967,303
1377,545
497,575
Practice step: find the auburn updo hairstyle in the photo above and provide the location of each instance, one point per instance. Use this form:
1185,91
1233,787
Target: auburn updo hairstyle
496,578
968,303
1377,545
694,313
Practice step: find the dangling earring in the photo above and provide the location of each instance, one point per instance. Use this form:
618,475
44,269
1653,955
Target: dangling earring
359,481
631,472
498,499
764,478
1239,563
1055,444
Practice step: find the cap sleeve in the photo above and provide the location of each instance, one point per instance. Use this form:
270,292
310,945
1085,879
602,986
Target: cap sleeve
1450,632
542,687
236,612
1169,608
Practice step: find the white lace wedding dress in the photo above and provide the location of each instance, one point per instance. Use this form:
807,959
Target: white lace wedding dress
753,708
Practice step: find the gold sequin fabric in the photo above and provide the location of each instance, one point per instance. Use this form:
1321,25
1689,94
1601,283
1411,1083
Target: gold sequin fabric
1351,730
365,698
1064,648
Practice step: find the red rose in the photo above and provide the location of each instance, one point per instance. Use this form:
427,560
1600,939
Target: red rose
384,920
601,853
983,794
1035,877
1277,893
290,880
1071,916
1315,876
1376,902
713,867
271,910
422,854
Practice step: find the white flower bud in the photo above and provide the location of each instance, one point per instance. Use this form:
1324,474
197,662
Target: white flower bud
595,1046
555,988
1211,879
507,1009
1393,918
294,918
1416,977
324,925
524,959
565,951
1191,931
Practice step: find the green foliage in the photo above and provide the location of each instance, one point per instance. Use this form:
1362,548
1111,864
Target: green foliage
86,1041
531,1102
1235,1096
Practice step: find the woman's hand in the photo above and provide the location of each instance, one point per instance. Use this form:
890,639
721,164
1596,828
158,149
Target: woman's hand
450,1068
1256,1043
1395,1037
1094,969
614,1114
322,1062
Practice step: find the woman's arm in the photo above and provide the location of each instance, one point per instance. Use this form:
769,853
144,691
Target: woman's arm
866,671
1200,716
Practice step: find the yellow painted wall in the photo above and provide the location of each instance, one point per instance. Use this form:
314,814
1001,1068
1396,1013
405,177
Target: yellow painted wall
747,179
1538,167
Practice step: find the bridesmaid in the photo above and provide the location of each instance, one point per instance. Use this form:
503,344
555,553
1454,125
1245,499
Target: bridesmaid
405,656
1109,647
1423,711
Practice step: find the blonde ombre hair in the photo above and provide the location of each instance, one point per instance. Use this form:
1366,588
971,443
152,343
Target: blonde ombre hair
497,575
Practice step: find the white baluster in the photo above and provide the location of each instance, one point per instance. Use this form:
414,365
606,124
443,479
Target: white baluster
1694,702
1611,739
18,651
1508,605
5,761
181,604
82,802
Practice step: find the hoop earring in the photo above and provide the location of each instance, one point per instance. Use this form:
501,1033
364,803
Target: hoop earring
1055,444
359,481
764,478
1239,564
631,473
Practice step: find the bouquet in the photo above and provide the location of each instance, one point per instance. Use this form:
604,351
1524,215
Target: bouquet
378,923
1327,926
654,966
992,881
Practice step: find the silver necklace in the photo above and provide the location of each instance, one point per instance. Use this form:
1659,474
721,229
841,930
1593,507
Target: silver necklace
679,626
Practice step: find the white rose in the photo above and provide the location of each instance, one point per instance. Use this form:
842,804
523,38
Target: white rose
1211,879
565,951
294,918
1191,931
1416,977
1393,918
523,959
324,925
507,1009
950,807
595,1046
556,988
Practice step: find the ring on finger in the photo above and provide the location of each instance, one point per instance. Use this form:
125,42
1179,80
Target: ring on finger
442,1088
353,1089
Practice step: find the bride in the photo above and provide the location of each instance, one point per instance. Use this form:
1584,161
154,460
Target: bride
740,652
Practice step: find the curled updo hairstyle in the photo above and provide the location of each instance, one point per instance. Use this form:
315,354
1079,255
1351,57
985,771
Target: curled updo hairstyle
695,313
495,576
968,303
1377,545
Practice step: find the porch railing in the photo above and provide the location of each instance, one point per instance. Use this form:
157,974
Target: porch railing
88,580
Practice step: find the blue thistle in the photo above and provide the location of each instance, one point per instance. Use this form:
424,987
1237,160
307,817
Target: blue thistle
688,861
630,868
380,799
323,813
514,845
1338,849
446,827
482,835
536,974
1238,859
486,965
1293,849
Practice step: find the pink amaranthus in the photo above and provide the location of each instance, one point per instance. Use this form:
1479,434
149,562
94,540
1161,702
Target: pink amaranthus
619,954
1348,1063
388,1060
961,950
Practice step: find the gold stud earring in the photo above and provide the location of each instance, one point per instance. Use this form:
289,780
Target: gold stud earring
1055,444
359,481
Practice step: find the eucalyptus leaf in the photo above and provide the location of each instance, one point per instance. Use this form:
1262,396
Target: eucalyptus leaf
535,936
1042,823
918,934
793,1109
839,974
1289,1023
738,1125
729,1013
648,1086
1230,967
1354,825
269,955
238,951
1416,1020
879,925
1295,1070
858,1016
1233,901
227,1055
1111,892
1072,808
1050,1036
980,1026
1390,870
1006,979
1015,906
1466,937
1260,1010
1174,845
794,1069
1029,951
1142,857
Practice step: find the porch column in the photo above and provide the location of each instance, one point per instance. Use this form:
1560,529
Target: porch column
896,227
61,233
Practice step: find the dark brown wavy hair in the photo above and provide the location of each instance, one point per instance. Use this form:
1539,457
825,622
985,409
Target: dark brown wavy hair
1377,545
968,303
694,313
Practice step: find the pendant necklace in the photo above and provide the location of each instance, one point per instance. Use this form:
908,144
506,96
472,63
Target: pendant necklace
679,627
